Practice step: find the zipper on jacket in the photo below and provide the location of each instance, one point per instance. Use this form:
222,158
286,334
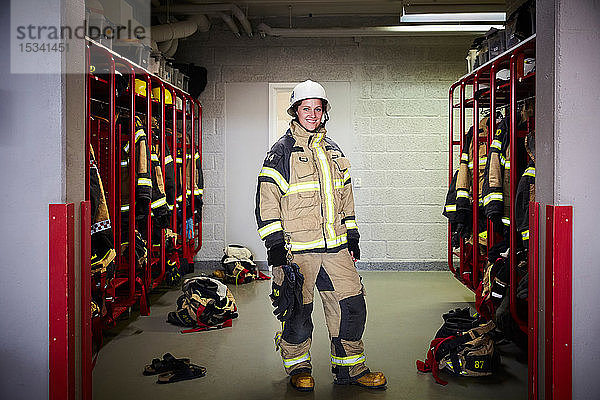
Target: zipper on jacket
320,189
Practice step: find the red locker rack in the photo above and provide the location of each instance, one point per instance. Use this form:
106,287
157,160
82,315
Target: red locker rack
495,95
106,136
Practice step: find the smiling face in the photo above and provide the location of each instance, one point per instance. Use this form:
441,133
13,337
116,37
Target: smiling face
310,112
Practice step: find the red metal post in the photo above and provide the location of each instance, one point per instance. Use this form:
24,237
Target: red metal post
475,185
193,167
88,119
199,118
513,191
174,147
558,304
462,134
184,187
533,299
132,185
490,138
61,303
112,200
450,168
86,299
148,278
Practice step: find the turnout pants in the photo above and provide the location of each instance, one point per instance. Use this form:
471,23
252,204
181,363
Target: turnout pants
342,294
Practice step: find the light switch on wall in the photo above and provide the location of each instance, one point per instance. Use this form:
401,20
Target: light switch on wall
357,182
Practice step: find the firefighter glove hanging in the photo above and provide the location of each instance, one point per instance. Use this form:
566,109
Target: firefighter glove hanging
286,294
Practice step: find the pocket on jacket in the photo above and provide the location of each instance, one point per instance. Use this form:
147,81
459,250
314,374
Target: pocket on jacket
304,168
342,163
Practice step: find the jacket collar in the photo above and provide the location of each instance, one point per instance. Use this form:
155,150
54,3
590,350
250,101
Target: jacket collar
303,136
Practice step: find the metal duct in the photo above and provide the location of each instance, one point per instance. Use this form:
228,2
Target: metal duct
171,50
209,9
229,22
178,30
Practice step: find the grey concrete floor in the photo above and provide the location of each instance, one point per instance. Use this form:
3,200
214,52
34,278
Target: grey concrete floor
404,312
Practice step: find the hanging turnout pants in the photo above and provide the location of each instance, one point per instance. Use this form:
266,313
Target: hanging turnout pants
342,294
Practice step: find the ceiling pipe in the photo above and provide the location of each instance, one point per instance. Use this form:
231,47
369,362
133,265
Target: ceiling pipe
181,29
170,52
398,30
184,9
229,22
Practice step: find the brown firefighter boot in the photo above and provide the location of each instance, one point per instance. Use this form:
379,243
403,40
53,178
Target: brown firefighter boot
303,382
371,380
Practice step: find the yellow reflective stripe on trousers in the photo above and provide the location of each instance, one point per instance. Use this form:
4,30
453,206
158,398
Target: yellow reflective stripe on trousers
450,207
525,235
125,207
270,228
168,159
506,221
530,172
276,176
496,144
311,186
348,361
198,191
154,157
289,362
464,157
327,186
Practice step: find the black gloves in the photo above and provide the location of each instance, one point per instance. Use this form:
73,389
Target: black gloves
286,294
276,255
353,248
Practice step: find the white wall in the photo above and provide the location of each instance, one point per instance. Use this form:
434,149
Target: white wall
32,175
398,119
569,149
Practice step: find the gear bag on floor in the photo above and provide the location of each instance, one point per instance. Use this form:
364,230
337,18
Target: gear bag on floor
462,346
205,303
237,266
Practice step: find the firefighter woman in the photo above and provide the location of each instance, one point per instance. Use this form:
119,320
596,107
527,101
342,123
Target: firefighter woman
304,203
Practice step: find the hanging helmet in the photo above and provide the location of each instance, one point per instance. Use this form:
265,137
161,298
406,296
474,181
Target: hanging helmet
307,90
156,95
140,87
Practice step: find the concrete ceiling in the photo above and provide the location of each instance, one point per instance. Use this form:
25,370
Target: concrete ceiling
318,14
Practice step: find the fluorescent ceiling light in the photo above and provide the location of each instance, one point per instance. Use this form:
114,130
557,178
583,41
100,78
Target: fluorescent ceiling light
440,28
454,17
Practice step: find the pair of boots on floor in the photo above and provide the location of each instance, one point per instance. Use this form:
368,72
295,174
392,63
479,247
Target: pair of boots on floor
304,381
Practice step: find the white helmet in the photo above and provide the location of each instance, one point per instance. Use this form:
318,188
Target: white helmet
307,90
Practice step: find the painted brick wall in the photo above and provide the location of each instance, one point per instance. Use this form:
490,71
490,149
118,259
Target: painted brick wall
399,109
